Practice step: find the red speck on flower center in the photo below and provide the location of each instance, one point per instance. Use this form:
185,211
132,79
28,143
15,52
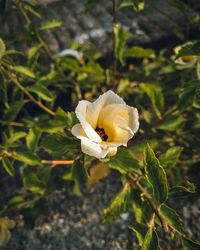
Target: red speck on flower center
101,133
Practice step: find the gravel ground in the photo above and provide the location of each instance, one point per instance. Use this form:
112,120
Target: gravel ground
73,223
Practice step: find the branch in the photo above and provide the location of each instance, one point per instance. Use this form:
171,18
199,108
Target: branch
58,162
15,124
156,209
32,98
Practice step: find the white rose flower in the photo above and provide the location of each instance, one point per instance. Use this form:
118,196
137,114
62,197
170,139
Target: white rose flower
105,124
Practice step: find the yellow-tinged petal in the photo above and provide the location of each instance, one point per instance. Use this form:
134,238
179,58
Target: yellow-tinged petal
120,122
94,109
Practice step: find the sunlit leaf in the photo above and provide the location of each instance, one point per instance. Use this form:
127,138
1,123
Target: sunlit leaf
16,136
172,123
42,92
32,138
120,204
172,217
24,71
156,96
51,24
150,240
2,48
27,158
139,52
138,5
58,145
121,35
156,176
170,157
8,166
33,183
140,230
124,162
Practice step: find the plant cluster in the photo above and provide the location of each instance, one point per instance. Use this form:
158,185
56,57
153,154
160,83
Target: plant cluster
38,90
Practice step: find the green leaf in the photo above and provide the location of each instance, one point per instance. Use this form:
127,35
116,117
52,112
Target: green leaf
124,162
15,201
172,123
138,5
188,94
140,230
190,244
51,24
8,166
32,182
68,119
79,173
13,110
156,176
191,48
58,145
179,191
16,136
24,71
156,96
120,204
42,92
140,207
172,217
27,158
150,240
34,10
121,35
139,52
33,55
52,126
2,48
170,157
32,138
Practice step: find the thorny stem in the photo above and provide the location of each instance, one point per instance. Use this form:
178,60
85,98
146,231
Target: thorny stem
32,98
148,197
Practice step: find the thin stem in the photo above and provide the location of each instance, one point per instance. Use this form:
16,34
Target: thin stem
148,197
114,66
32,98
15,124
12,154
58,162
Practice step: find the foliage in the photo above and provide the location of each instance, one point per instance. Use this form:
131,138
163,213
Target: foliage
36,123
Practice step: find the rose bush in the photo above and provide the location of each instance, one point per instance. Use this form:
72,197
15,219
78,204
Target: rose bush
105,124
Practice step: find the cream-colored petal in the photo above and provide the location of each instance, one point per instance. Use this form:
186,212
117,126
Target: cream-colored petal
81,113
78,131
88,147
94,109
120,122
93,149
112,151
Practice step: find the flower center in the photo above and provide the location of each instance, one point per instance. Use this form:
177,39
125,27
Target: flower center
101,133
